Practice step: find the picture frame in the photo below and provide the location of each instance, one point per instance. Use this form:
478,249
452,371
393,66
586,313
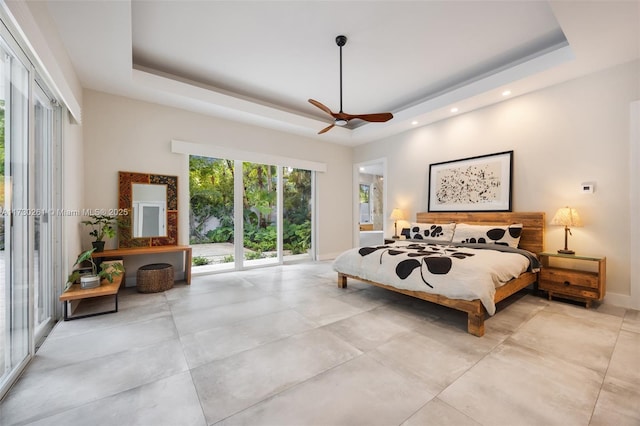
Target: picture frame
474,184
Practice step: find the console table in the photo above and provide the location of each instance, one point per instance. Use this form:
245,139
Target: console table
123,252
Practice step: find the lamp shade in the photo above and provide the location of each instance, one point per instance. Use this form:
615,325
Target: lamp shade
396,214
567,216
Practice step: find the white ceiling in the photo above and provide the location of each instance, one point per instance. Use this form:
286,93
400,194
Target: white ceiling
258,62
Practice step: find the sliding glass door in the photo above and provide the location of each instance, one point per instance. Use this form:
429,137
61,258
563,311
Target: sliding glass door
296,212
30,178
211,213
260,214
246,214
44,220
14,236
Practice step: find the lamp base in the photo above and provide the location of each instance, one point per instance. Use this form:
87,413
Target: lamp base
564,251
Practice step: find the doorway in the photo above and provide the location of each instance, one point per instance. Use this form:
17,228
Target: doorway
369,202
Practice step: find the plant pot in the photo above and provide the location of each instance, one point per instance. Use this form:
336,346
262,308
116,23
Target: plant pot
89,281
98,245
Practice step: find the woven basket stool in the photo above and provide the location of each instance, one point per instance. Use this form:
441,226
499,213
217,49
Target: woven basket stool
154,278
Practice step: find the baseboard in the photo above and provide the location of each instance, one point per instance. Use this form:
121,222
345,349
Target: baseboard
622,300
328,256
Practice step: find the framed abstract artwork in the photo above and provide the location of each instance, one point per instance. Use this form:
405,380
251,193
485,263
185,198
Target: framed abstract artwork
472,184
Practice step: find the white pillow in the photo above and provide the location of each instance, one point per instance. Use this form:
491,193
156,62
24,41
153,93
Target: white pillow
432,231
506,235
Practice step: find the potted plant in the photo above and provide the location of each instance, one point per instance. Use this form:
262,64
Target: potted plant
101,226
107,271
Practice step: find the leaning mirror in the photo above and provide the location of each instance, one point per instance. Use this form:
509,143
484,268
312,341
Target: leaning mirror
151,203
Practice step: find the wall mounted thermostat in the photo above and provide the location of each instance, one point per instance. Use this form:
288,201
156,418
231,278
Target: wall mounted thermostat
587,188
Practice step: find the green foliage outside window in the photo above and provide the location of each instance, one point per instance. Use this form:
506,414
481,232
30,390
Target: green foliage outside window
199,261
364,193
211,186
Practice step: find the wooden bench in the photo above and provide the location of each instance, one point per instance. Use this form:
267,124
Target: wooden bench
74,293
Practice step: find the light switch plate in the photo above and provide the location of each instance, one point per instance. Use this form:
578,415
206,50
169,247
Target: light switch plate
587,188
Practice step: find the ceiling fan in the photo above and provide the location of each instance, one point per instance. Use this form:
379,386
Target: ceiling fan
342,118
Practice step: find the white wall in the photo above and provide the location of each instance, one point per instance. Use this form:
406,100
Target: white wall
73,189
31,24
634,164
561,136
129,135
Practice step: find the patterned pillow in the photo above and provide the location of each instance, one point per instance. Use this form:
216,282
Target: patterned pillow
406,232
432,231
506,235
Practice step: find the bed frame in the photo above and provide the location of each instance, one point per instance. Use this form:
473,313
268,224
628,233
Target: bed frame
532,239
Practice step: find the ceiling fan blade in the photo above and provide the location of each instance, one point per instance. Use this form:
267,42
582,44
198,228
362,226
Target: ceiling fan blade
321,106
326,129
373,118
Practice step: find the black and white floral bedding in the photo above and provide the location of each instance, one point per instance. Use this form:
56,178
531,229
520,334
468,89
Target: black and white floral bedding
457,271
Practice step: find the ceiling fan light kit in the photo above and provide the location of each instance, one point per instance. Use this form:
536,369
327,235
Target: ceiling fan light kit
341,118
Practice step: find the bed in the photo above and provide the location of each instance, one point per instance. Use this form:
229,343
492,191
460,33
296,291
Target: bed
431,269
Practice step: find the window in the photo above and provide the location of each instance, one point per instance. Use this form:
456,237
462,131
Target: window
266,207
365,203
260,224
211,213
297,205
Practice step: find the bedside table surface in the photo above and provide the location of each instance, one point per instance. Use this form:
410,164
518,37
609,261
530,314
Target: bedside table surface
571,256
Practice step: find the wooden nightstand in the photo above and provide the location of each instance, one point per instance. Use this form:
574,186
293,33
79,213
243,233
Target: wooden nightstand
571,282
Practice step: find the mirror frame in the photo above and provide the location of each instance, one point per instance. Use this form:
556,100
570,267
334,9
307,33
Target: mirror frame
125,194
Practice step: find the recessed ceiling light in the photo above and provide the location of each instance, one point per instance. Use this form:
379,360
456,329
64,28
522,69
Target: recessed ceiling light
362,169
414,122
506,93
454,109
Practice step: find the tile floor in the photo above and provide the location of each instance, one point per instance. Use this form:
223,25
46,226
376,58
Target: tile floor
285,346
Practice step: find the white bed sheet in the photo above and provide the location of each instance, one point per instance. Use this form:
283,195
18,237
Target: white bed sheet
455,272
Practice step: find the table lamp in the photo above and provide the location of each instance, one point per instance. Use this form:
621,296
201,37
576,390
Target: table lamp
566,217
396,215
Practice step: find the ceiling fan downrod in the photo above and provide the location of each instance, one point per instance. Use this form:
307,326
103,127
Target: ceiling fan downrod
341,40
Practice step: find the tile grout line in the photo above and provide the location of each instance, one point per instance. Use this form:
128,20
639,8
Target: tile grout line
604,376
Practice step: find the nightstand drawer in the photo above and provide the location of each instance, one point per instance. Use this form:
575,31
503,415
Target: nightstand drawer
569,290
568,277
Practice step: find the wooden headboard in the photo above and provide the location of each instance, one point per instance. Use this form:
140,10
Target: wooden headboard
532,238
